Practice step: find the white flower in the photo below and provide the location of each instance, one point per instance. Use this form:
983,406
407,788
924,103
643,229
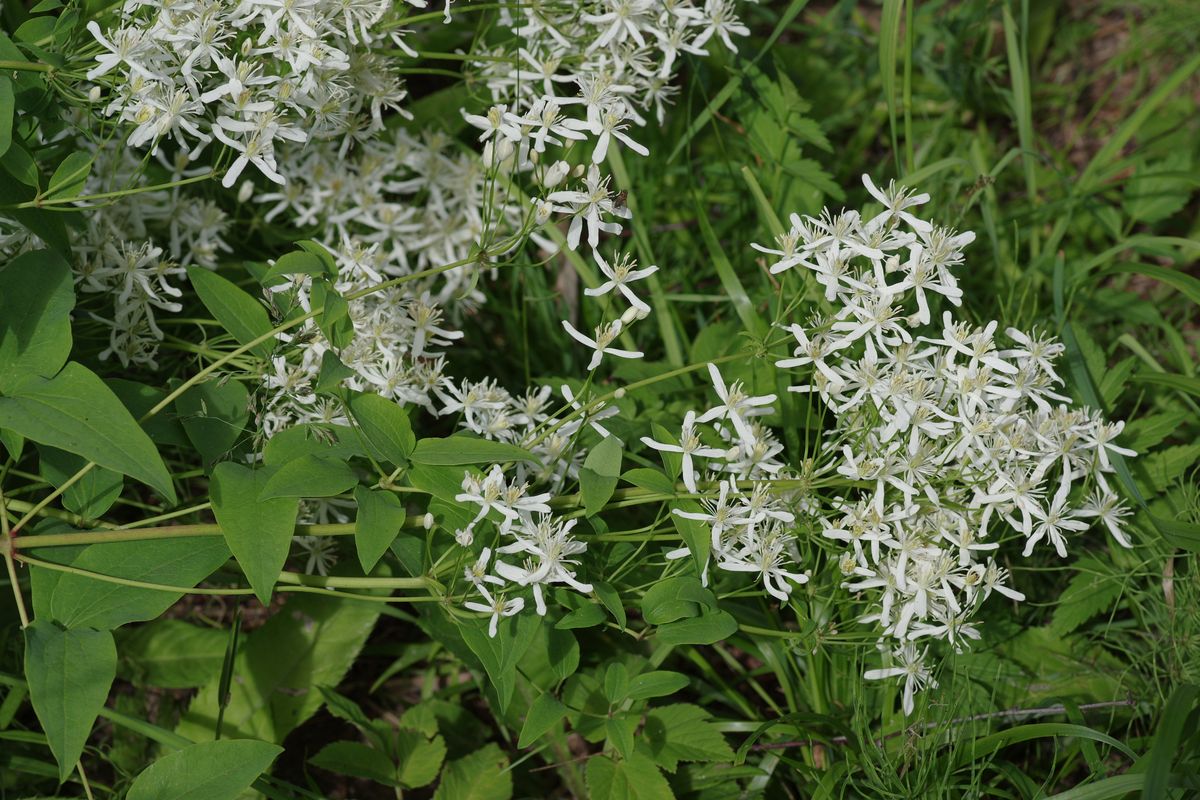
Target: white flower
620,275
689,446
497,607
605,335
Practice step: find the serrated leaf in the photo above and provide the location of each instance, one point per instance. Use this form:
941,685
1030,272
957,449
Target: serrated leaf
544,713
381,515
36,298
1145,432
242,315
456,450
1092,590
384,425
420,758
1168,464
482,775
219,770
75,411
69,675
309,476
681,732
599,475
258,532
635,778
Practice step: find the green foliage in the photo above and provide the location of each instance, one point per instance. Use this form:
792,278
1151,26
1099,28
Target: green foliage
258,532
207,771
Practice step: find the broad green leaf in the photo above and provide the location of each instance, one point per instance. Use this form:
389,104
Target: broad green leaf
214,416
708,628
69,177
420,758
1158,190
499,654
544,714
36,298
599,475
659,683
695,534
7,112
384,426
616,682
242,315
79,601
635,778
649,479
466,450
139,399
337,441
611,600
676,598
280,666
380,518
219,770
172,654
356,760
618,732
681,732
259,532
482,775
69,675
310,476
588,615
75,411
91,495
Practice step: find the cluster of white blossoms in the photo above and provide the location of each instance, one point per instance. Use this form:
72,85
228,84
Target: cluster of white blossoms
953,437
251,74
542,545
750,525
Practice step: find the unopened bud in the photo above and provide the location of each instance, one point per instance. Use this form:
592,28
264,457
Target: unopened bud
556,174
619,394
245,191
427,521
94,94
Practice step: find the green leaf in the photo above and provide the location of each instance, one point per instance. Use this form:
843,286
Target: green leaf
499,654
695,534
333,372
356,760
649,479
709,628
420,758
69,178
297,262
214,416
91,495
588,615
659,683
75,411
1182,383
1177,279
259,533
280,666
616,682
79,601
69,675
334,316
482,775
336,441
219,770
457,450
36,298
676,598
384,426
611,600
172,654
635,778
310,476
1093,589
242,315
544,713
1157,191
380,517
681,733
599,475
7,112
1169,740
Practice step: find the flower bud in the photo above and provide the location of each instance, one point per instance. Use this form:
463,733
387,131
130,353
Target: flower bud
427,521
556,174
245,191
94,94
542,212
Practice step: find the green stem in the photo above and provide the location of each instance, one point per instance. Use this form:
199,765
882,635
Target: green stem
25,66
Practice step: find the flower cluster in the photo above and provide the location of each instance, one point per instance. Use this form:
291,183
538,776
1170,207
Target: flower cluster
544,545
749,524
250,74
953,436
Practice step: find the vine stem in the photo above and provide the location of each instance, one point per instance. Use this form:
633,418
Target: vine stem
6,545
